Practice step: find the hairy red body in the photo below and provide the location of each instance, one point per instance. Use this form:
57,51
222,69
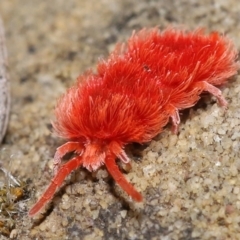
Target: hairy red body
132,96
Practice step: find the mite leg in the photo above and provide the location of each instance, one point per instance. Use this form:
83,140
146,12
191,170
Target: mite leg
174,114
205,86
120,179
117,149
123,157
64,170
63,150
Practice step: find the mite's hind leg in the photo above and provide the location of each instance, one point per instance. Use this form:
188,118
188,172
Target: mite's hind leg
205,86
62,151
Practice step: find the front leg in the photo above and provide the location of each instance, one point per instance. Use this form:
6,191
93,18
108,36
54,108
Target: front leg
120,179
62,151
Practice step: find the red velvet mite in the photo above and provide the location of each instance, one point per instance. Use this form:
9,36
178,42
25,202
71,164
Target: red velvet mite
132,96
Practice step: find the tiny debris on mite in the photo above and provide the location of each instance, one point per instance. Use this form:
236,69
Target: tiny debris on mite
134,93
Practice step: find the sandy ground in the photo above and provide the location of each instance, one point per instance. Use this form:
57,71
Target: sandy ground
190,181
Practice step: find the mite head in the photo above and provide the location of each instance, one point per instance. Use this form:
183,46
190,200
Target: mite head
95,153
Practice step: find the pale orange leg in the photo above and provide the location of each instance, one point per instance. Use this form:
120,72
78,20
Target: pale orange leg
205,86
64,170
174,114
117,149
120,179
63,150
